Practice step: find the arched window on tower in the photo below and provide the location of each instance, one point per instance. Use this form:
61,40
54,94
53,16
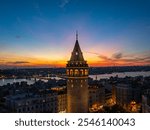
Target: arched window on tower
67,72
76,72
71,72
86,72
81,72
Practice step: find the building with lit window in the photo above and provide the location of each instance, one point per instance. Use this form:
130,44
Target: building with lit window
128,97
96,97
108,98
77,82
62,101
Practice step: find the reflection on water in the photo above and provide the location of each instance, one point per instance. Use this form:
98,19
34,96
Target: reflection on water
100,76
29,81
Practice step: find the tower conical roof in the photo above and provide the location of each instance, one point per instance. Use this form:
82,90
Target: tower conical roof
77,53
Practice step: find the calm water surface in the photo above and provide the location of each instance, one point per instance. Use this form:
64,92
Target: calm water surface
100,76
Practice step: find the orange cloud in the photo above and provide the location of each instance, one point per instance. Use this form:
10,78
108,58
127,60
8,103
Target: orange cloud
93,59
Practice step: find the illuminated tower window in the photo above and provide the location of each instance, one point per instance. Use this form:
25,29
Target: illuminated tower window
86,72
81,72
67,72
76,72
71,72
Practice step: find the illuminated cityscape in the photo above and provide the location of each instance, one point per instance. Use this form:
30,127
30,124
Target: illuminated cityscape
47,67
74,91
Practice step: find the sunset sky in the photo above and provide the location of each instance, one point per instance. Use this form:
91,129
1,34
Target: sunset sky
41,33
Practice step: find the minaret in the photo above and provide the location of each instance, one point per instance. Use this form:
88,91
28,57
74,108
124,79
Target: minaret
77,82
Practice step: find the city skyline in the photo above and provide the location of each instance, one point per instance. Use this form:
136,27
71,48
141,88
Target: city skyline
36,33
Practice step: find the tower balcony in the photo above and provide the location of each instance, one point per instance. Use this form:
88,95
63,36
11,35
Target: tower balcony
77,64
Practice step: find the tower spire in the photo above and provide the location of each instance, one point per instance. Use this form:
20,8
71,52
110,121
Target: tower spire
77,53
76,34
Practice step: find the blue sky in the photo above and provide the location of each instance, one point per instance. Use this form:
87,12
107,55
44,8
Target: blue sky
34,31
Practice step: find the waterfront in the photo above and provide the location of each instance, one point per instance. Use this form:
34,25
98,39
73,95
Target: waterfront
11,81
121,75
100,76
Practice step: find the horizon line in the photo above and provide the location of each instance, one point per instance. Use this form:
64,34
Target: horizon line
65,67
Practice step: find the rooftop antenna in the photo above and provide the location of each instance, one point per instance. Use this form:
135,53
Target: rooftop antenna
76,35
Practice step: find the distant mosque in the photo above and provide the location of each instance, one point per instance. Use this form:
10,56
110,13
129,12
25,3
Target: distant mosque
77,84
